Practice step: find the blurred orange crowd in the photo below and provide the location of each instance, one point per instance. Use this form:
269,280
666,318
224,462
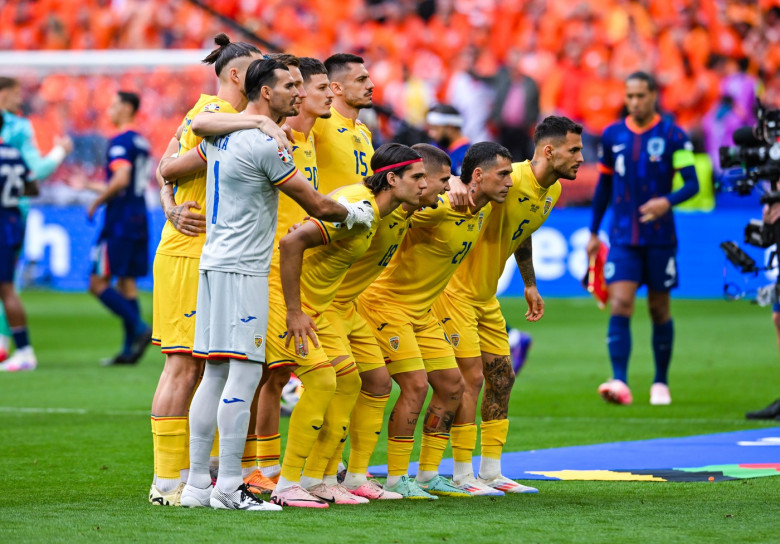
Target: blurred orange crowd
578,52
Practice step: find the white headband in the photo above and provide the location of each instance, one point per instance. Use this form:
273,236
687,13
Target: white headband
444,119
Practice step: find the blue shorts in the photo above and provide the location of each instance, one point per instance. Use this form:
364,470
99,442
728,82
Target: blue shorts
120,258
8,257
655,267
776,307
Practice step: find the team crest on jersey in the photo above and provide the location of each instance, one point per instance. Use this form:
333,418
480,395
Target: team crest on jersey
547,205
258,340
655,148
284,155
211,107
365,138
455,339
395,342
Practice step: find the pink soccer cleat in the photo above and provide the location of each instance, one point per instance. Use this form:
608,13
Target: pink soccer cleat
616,392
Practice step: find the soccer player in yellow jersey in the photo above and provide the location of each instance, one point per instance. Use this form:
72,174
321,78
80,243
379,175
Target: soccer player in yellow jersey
398,308
315,105
343,143
176,273
368,414
301,338
471,315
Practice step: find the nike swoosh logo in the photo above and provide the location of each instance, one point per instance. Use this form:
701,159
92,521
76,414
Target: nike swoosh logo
248,319
618,148
233,400
190,314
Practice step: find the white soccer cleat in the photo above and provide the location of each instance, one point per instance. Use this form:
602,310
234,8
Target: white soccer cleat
21,360
240,499
342,495
195,497
506,485
374,491
659,395
477,488
170,498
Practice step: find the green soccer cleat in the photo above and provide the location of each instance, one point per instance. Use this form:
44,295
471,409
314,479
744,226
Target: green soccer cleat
439,485
409,489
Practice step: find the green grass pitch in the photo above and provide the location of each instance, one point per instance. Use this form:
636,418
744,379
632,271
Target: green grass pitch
77,457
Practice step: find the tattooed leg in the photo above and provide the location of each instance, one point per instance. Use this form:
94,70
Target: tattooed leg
499,379
448,387
406,412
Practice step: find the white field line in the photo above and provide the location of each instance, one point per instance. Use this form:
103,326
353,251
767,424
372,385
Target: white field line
738,421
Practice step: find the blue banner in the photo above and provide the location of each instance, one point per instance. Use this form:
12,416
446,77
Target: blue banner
58,242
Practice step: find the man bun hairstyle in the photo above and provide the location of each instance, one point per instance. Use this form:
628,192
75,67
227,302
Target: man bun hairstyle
226,51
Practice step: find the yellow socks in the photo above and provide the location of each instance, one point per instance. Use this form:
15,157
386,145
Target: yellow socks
171,446
249,458
367,419
399,450
493,439
269,450
464,440
319,385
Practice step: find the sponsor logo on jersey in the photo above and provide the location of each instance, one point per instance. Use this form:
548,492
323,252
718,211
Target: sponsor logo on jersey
342,130
258,340
190,314
459,222
382,326
393,224
547,205
117,151
455,339
655,148
247,319
394,342
211,107
443,321
522,199
233,400
618,148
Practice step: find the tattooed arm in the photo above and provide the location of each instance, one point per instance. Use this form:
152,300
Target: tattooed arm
525,263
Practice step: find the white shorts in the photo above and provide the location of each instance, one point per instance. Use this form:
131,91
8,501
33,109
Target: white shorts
231,318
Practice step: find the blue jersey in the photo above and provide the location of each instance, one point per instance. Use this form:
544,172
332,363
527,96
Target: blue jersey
641,165
13,175
126,212
457,151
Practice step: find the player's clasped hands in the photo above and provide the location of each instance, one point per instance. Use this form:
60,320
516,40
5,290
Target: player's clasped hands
358,213
300,328
185,220
460,195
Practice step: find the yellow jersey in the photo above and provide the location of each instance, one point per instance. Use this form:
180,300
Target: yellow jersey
389,234
192,187
526,208
437,242
325,266
289,212
344,151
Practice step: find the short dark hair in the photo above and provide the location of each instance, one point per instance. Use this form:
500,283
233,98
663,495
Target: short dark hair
227,51
433,156
310,67
285,58
555,127
647,78
260,73
339,63
386,155
8,83
133,99
482,155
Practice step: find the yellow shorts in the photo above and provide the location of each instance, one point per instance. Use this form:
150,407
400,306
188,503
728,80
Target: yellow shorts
472,328
409,343
277,355
356,334
175,297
